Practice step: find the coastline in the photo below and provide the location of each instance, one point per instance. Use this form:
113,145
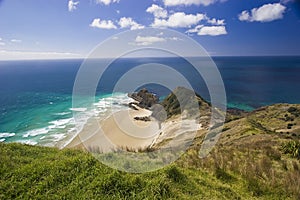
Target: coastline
120,130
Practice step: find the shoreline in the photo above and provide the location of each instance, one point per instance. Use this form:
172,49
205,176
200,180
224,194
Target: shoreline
119,130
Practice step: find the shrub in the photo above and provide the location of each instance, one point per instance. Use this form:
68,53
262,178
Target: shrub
292,148
289,126
225,129
294,111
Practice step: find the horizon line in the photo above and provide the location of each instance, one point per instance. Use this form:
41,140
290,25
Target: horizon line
139,57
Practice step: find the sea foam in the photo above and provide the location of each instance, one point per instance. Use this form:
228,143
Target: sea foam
36,132
5,135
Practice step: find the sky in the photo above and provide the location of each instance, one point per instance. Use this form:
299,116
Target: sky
39,29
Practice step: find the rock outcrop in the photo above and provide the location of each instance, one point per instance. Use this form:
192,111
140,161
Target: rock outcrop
144,98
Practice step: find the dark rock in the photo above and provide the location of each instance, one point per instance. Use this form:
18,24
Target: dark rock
144,98
145,118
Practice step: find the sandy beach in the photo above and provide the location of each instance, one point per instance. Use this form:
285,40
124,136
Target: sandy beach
120,130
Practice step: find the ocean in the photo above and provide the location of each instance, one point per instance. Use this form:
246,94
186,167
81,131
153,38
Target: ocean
36,96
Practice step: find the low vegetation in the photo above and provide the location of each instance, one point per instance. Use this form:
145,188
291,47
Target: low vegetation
292,148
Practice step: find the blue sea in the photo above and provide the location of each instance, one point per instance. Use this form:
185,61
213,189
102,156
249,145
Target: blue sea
36,96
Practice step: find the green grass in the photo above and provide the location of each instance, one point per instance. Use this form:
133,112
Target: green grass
33,172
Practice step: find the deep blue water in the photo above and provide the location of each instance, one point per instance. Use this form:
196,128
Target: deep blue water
36,96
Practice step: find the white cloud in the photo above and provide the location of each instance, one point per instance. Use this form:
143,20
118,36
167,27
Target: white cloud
128,22
72,5
157,11
25,55
266,13
179,20
244,16
103,24
107,2
212,30
148,40
215,21
195,30
188,2
151,39
208,30
16,41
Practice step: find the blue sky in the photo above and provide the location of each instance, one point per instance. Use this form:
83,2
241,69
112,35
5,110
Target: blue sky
66,29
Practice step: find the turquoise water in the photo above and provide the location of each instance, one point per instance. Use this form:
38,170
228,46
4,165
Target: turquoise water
36,96
47,124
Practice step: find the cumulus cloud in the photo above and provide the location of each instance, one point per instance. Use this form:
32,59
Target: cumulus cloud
103,24
195,29
212,30
107,2
188,2
215,21
179,20
72,5
266,13
157,11
208,30
128,22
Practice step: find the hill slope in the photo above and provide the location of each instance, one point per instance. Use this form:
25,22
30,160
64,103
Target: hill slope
40,172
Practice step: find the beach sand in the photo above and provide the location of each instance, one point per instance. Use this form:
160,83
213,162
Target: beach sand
120,130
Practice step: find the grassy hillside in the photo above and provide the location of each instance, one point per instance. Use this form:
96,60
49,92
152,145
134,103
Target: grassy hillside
257,157
40,172
262,147
188,100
